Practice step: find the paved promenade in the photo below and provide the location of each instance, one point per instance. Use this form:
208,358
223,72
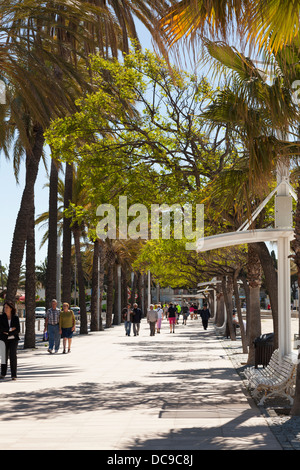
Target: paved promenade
168,392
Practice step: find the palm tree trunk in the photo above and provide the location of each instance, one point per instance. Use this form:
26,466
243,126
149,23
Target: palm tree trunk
254,278
51,272
22,222
124,293
133,288
81,284
95,288
67,238
29,339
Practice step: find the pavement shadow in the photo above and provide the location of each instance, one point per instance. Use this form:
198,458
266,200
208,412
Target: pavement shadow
230,437
164,391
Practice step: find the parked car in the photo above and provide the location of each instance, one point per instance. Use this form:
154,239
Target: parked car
76,310
40,312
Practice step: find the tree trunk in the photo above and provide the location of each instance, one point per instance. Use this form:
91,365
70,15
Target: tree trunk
29,339
247,296
220,317
271,282
239,311
124,293
133,289
102,260
227,292
95,289
109,294
81,284
144,295
51,273
116,293
22,222
67,238
254,279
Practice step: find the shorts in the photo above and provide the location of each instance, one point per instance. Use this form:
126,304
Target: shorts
172,320
67,332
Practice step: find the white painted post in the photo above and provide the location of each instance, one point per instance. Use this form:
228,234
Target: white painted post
284,220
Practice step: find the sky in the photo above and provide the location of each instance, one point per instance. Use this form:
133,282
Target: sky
10,199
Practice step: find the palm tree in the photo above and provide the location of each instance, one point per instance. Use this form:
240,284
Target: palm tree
258,22
51,272
257,110
26,60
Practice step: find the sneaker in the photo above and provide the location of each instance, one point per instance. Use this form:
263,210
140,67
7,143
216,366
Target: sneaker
50,351
14,378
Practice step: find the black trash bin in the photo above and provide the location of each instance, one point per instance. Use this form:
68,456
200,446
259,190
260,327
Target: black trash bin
264,348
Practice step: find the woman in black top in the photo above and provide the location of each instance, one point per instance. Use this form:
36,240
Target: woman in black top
9,334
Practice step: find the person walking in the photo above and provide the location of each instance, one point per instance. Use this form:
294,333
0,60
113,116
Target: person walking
152,319
172,317
52,326
9,334
205,315
165,310
195,312
159,318
136,319
127,317
185,312
192,312
67,325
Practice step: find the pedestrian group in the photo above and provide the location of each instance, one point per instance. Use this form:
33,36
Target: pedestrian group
156,314
61,324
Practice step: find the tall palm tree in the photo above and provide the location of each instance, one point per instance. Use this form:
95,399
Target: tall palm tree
51,272
113,29
26,60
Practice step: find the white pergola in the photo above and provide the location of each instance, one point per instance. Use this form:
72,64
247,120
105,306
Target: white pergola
282,233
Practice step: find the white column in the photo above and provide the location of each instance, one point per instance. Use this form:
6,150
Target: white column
284,219
284,307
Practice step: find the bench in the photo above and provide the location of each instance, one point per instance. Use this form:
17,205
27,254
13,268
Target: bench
220,330
276,379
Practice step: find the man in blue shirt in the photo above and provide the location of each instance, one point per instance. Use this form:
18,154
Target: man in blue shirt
52,325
